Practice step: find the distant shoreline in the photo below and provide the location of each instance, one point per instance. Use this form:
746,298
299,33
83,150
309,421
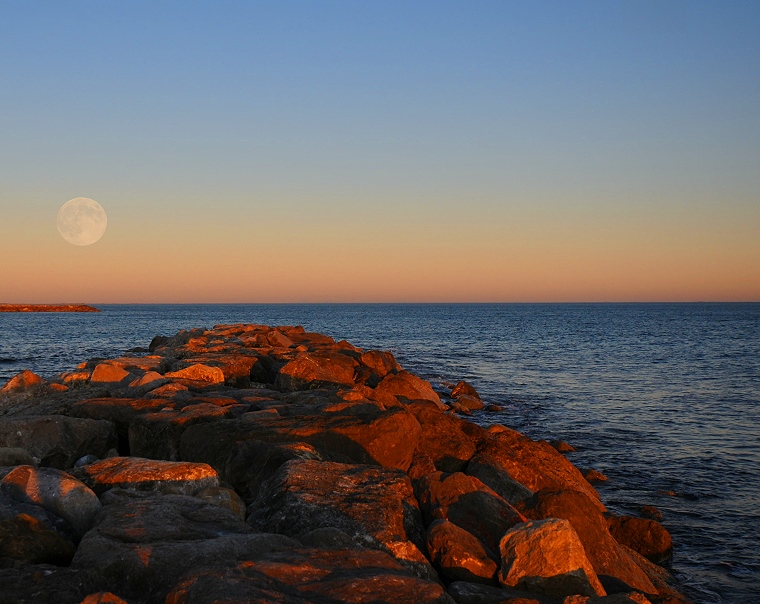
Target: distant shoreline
47,308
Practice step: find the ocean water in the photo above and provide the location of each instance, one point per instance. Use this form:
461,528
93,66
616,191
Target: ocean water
662,398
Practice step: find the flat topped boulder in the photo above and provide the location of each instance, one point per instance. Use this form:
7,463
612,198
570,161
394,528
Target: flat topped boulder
179,477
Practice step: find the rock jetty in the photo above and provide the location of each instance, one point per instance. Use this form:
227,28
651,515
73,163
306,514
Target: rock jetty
47,308
254,464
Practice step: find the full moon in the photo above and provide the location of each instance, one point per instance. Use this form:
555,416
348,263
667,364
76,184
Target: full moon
81,221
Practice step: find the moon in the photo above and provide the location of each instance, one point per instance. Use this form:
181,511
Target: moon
81,221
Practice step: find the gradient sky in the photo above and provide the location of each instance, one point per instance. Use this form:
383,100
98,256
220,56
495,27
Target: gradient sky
382,151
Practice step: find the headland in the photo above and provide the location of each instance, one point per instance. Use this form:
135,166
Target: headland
47,308
257,464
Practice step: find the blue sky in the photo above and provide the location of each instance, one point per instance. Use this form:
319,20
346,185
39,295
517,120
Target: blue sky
474,113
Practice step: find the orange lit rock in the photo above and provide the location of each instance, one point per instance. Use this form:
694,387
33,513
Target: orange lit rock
464,389
105,373
536,465
381,363
442,438
76,377
56,491
458,555
374,506
468,503
58,441
311,370
22,381
606,556
547,557
405,387
199,373
647,537
147,382
147,475
120,411
103,597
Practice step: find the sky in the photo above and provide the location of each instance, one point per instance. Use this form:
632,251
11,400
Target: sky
357,151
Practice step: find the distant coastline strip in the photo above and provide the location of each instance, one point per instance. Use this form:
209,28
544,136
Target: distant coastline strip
47,308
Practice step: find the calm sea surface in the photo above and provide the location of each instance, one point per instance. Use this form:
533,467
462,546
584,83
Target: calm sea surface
659,397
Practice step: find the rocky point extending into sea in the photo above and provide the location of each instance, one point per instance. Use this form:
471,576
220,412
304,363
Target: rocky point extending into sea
47,308
250,464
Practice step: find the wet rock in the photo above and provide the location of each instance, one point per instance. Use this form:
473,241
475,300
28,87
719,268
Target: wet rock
468,503
375,506
458,555
647,537
593,475
30,533
561,446
305,576
488,470
198,373
472,403
57,492
606,556
147,475
142,545
651,512
57,441
664,582
442,438
464,389
547,557
15,456
535,465
312,370
86,460
405,387
22,583
26,380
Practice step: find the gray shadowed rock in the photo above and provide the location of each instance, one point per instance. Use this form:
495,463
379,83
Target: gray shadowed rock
488,470
22,583
56,440
375,506
30,533
476,593
143,544
15,456
57,492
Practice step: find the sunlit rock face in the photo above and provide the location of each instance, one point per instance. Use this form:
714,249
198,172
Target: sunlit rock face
23,381
459,555
547,557
648,537
147,475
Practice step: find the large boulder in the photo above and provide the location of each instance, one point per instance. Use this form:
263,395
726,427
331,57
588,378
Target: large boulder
58,441
465,592
375,506
57,492
536,465
458,555
26,380
647,537
468,503
405,387
198,373
381,363
316,370
610,562
547,557
142,545
442,437
309,576
141,474
30,533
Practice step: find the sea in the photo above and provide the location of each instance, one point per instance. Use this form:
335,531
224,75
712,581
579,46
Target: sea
664,399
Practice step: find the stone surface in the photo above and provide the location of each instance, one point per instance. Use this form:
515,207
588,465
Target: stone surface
105,373
464,389
459,556
307,576
57,492
15,456
606,556
22,381
375,506
405,387
309,370
488,470
476,593
198,373
442,438
141,474
380,362
58,441
647,537
46,584
547,557
468,503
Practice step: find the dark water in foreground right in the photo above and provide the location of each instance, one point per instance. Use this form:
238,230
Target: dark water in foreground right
660,397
